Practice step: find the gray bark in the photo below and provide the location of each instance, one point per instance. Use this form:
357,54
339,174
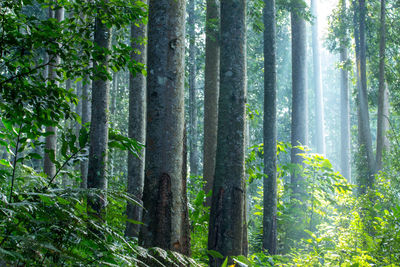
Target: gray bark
137,127
270,132
299,96
319,107
211,94
85,118
49,168
364,131
114,92
193,136
344,107
98,154
382,142
164,196
226,217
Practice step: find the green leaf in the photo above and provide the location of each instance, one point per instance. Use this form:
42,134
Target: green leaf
225,263
83,137
35,156
5,163
215,254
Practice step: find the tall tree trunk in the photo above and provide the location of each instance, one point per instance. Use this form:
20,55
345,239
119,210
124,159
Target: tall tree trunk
113,108
270,132
66,180
164,196
211,94
299,95
193,136
98,153
226,217
344,105
114,93
364,131
137,126
49,168
382,143
85,118
319,107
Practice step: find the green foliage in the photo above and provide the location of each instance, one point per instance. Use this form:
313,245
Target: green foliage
339,228
199,216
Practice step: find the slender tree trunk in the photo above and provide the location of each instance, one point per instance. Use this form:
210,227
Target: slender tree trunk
319,107
98,153
164,195
211,94
85,118
344,105
299,96
137,127
114,92
364,131
66,180
226,217
382,143
193,136
49,168
113,107
270,132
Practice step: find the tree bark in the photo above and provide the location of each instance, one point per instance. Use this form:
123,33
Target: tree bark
164,195
226,217
49,168
319,107
270,132
364,131
382,142
98,151
344,105
85,118
193,136
299,96
211,94
137,127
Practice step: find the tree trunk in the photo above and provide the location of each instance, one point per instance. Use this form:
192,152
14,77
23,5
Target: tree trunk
98,153
194,155
164,196
382,143
226,217
319,107
299,96
364,131
344,106
211,94
137,126
270,132
49,168
85,118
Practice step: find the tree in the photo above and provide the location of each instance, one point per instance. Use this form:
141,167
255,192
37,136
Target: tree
137,125
299,93
382,142
98,153
270,133
194,155
226,217
49,167
211,94
164,197
364,131
85,118
344,99
317,80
